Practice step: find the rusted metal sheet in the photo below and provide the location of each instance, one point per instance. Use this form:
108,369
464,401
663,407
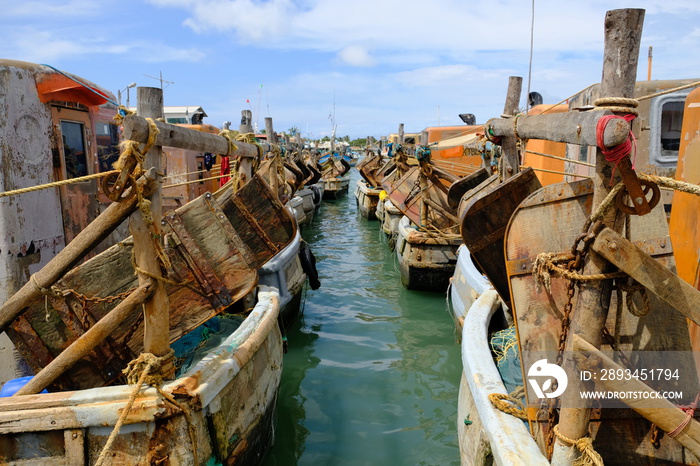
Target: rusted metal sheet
538,314
484,220
406,195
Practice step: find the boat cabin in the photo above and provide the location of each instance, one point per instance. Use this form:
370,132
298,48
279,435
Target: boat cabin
55,126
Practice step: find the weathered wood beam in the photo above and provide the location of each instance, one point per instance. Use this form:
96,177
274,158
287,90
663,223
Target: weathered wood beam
76,250
510,154
156,310
571,128
656,278
136,129
88,341
665,414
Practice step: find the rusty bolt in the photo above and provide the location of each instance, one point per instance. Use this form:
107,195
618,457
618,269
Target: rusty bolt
612,246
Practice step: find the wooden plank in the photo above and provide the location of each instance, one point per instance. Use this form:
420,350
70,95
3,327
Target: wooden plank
665,414
509,150
656,278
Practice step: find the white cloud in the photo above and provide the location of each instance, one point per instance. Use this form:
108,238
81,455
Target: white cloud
356,55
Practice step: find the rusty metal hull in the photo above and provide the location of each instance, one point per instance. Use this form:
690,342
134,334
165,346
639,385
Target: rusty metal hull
367,199
230,396
426,262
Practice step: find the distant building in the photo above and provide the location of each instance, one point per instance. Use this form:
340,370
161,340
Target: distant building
187,115
182,115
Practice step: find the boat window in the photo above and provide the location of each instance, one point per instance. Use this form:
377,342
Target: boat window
74,149
107,145
583,153
666,118
177,121
671,121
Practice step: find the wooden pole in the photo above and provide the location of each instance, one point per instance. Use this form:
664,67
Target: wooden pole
623,30
246,125
156,339
511,162
84,242
88,341
402,136
269,131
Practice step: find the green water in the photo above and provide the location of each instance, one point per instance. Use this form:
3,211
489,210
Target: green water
372,372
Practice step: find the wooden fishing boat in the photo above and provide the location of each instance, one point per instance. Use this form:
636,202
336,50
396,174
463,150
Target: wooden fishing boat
426,261
201,268
368,189
367,199
392,216
427,239
581,338
333,173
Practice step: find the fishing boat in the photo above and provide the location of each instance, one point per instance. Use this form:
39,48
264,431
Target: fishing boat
197,283
557,322
427,238
334,171
368,189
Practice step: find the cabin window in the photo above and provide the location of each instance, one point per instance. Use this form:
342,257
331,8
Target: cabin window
666,119
671,121
177,121
107,145
74,149
583,153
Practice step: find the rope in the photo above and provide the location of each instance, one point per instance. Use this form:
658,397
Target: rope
231,137
619,152
544,266
195,181
690,413
56,184
585,446
669,91
138,372
560,158
508,404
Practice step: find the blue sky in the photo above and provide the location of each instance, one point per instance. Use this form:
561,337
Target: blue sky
383,62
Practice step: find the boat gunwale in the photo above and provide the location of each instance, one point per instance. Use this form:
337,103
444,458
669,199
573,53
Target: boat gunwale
102,406
509,437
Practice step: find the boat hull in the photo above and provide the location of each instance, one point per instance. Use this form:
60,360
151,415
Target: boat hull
335,188
230,396
426,262
284,273
367,199
392,217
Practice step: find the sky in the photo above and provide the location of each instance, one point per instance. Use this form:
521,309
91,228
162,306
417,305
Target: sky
365,65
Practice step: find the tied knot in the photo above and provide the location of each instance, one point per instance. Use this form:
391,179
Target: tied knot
588,457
